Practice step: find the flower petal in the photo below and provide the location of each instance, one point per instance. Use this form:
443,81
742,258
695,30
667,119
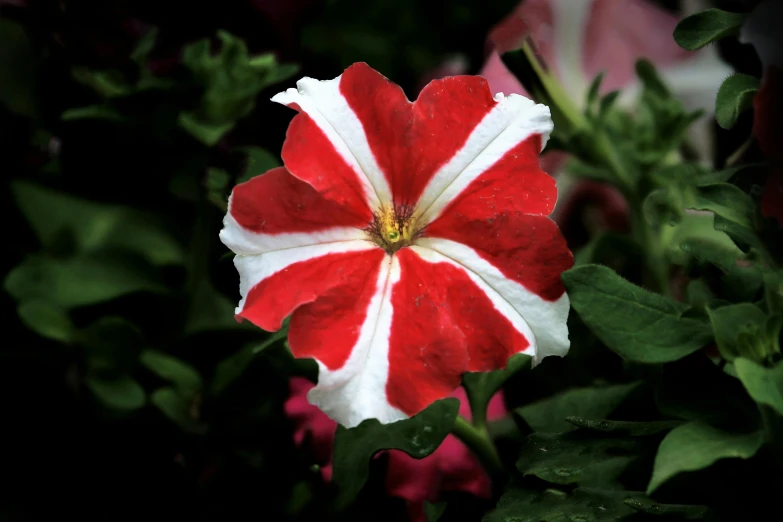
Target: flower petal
275,284
519,258
413,142
276,211
504,145
445,322
352,382
326,145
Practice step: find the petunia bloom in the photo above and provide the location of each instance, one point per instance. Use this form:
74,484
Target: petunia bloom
409,242
451,467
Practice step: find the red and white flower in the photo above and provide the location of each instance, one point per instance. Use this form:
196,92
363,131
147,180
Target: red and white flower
409,242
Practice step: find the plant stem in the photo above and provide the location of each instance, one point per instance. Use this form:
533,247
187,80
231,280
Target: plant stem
656,264
480,443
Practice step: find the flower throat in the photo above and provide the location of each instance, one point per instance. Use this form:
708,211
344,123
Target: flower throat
393,228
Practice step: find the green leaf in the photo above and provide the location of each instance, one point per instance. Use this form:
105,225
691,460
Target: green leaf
549,415
144,47
480,387
624,428
646,72
638,325
433,512
595,86
418,436
728,201
94,225
79,281
678,511
735,95
111,343
764,385
231,368
740,273
577,458
521,504
713,398
664,206
259,161
178,408
206,132
209,310
182,374
47,320
122,393
231,81
699,29
694,446
108,84
92,112
18,63
732,324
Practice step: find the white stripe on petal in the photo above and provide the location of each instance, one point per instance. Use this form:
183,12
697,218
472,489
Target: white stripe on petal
509,123
323,102
546,319
357,390
246,242
499,302
255,268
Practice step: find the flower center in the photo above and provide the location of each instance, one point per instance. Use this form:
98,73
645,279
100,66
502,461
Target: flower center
393,228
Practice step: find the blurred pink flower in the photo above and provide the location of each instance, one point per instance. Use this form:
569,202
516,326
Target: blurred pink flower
577,39
452,467
761,29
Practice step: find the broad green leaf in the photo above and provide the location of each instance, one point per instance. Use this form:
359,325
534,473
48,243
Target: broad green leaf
735,95
178,408
678,511
230,368
577,458
702,28
18,63
624,428
122,393
433,512
418,436
713,398
764,385
742,276
258,161
177,371
79,281
206,132
521,504
94,225
726,200
549,415
209,310
638,325
111,343
481,387
696,446
92,112
732,325
47,320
